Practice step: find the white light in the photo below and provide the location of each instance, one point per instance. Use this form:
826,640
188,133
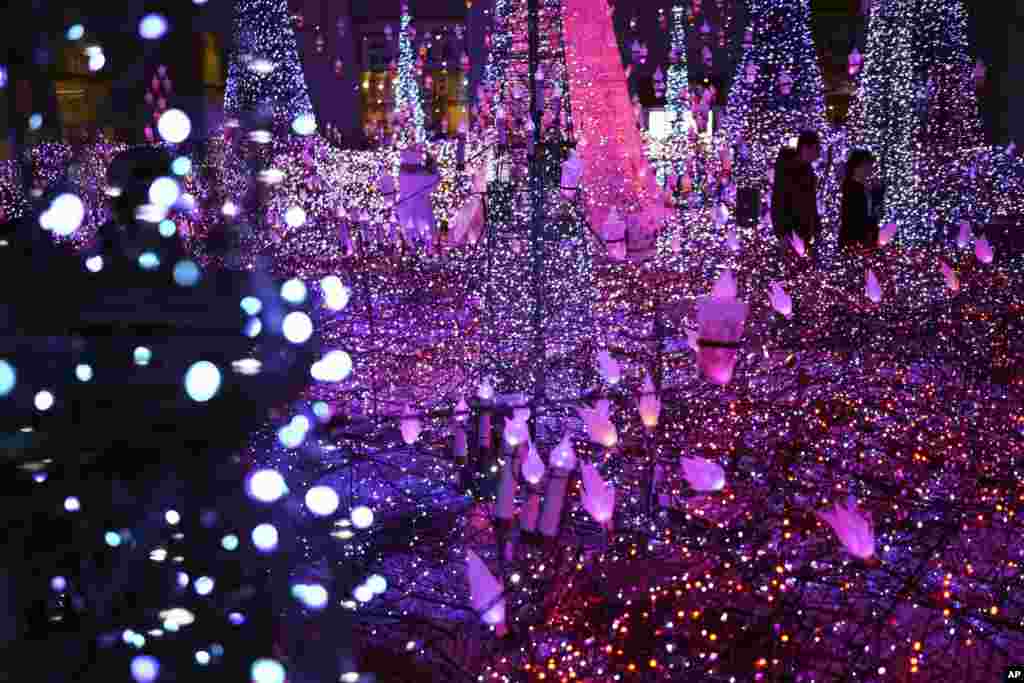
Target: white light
59,584
267,671
182,579
174,126
377,583
229,543
333,367
247,366
145,669
363,593
94,264
266,486
8,378
186,273
172,517
3,77
362,517
181,166
297,327
83,372
262,66
230,209
304,124
142,355
265,537
43,401
152,27
294,291
164,191
97,61
291,436
253,327
322,500
203,585
167,228
271,176
148,260
251,305
75,32
202,657
295,217
350,677
65,215
312,595
261,137
72,504
202,381
35,122
112,538
150,213
176,617
336,294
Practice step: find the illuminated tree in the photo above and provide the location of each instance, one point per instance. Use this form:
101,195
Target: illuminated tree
778,89
407,89
678,96
265,76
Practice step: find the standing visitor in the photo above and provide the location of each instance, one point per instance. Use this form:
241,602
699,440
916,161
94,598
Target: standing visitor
860,208
797,210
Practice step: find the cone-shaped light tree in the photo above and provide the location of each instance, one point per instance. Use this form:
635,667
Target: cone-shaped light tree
407,89
778,89
265,76
678,86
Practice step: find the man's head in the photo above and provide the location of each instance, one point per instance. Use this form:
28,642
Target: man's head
808,146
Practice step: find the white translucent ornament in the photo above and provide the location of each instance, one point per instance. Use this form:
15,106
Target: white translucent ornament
872,288
649,404
950,276
798,245
780,301
410,425
703,475
564,455
486,592
533,467
598,424
598,495
852,528
174,126
610,369
983,250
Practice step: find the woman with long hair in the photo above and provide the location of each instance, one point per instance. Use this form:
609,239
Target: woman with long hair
860,210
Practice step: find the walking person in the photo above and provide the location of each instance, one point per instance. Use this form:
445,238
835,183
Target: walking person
860,213
796,212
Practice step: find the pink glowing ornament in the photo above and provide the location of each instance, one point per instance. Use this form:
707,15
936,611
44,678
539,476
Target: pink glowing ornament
855,62
963,238
486,593
598,495
707,56
533,467
598,423
564,455
615,235
798,244
980,70
610,369
950,276
721,318
872,289
659,82
780,301
649,405
852,528
732,240
703,475
516,431
410,425
983,250
886,234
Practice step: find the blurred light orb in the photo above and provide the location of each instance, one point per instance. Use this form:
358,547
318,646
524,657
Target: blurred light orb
229,543
35,122
267,671
172,517
112,539
335,366
294,291
83,372
59,584
265,537
313,596
362,517
145,669
336,294
164,191
174,126
72,504
167,228
43,401
295,217
202,381
3,77
142,355
94,264
297,327
236,618
65,214
322,501
261,66
377,583
204,585
75,32
153,26
304,124
202,657
363,593
97,61
150,213
181,166
322,410
350,677
186,273
253,327
251,305
230,209
8,378
182,579
148,260
266,486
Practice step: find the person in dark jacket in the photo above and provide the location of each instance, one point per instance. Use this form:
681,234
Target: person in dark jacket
860,210
797,209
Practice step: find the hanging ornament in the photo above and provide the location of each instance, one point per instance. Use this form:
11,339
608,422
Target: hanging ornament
319,43
748,39
300,20
855,62
339,67
663,19
465,62
659,82
707,56
705,28
980,70
342,27
750,73
389,32
721,38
